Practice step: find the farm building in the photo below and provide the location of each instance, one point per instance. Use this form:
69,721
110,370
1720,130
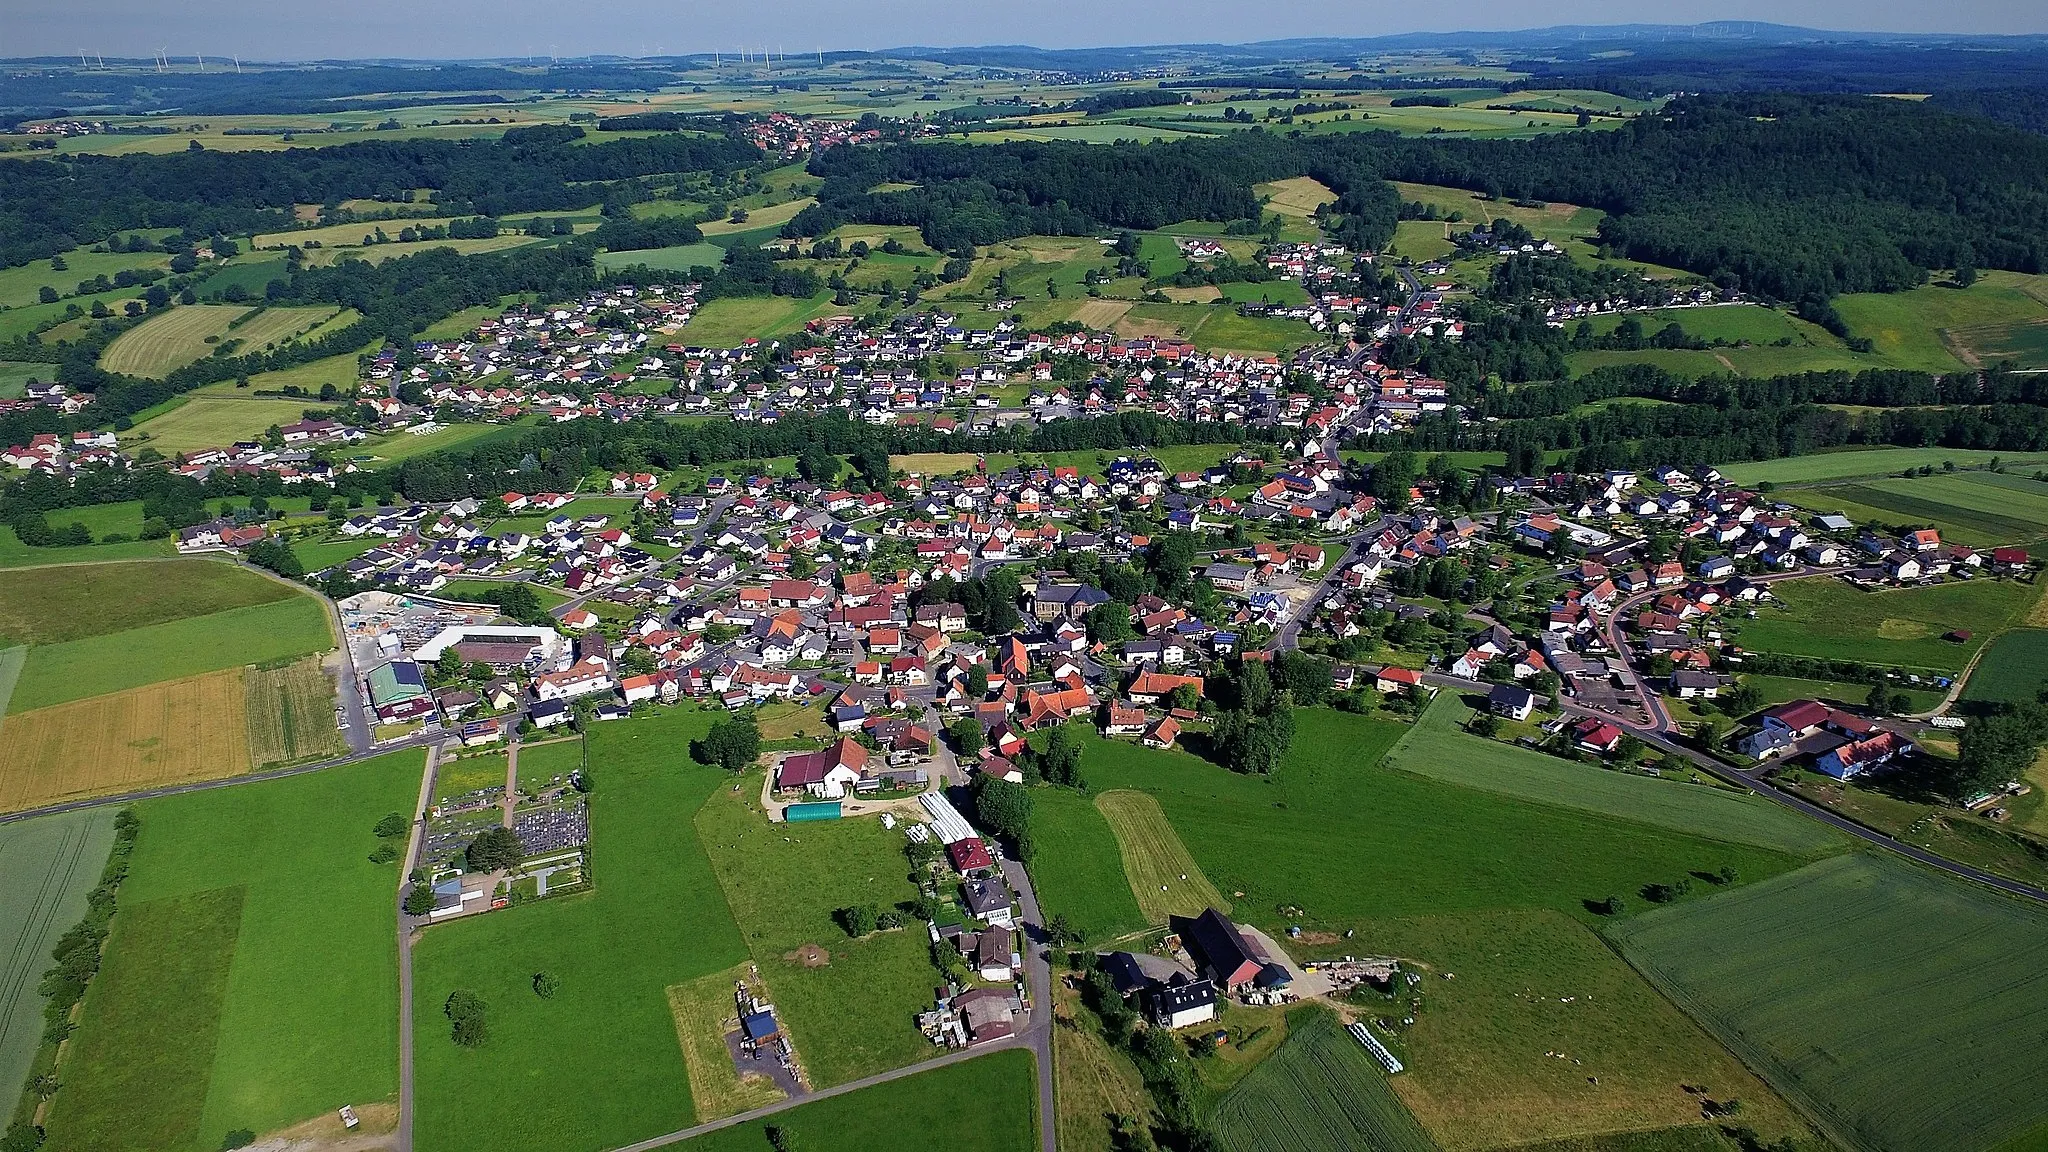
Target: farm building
1223,954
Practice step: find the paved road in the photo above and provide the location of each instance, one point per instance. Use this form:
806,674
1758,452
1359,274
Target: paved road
402,1139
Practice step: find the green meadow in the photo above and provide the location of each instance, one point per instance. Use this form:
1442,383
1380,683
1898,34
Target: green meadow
251,979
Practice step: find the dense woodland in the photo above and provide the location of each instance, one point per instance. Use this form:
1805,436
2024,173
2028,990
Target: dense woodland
51,206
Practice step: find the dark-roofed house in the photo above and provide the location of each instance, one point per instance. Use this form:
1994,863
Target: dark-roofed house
828,772
1511,701
1219,948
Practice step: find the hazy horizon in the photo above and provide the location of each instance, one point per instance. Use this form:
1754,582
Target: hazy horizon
495,29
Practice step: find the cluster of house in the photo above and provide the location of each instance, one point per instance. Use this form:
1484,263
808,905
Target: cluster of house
58,455
39,394
1836,743
787,137
1203,959
985,934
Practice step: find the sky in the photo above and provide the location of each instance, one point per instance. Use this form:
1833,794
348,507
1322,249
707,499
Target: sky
471,29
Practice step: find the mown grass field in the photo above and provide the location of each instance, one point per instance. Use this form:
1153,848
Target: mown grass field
1542,1033
23,284
206,1017
705,1012
1824,616
1980,509
855,1015
47,865
1437,748
216,422
1078,871
599,1063
1321,1091
55,605
1901,1008
1936,327
116,661
177,337
2013,669
727,323
988,1104
291,713
1304,838
1164,878
169,732
1851,464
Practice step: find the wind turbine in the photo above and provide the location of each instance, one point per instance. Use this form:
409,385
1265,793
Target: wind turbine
202,63
238,65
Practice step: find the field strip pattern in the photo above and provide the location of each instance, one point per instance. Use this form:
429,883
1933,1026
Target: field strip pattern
1320,1091
11,660
27,956
1164,877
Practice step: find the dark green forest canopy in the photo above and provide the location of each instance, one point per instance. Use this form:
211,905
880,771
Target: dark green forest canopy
50,206
1792,197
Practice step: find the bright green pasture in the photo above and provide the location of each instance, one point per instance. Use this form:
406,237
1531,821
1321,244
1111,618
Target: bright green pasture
1321,1090
1900,1008
1077,870
1438,749
1343,841
856,1015
988,1104
1981,509
1827,617
55,605
97,665
1862,462
598,1064
252,977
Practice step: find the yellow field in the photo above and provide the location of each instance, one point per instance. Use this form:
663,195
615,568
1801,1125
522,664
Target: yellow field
170,339
759,218
215,421
377,254
291,714
934,463
1099,314
1147,329
1164,878
1202,295
1296,197
704,1012
167,733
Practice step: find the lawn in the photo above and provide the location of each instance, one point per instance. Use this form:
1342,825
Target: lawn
680,258
47,865
598,1064
1827,617
15,554
2013,669
1856,463
1077,870
1902,1009
1341,841
22,285
216,422
987,1104
203,1019
1438,749
1321,1091
1163,877
55,605
258,634
1781,689
1919,328
476,591
854,1015
395,447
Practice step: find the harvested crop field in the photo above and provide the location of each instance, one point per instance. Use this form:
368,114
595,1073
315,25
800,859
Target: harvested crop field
935,463
1321,1090
291,713
1101,313
165,733
1164,877
55,605
1902,1009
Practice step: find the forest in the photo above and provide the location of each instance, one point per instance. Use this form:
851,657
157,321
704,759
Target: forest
50,206
1717,420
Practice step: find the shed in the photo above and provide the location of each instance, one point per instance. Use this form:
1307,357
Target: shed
801,813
